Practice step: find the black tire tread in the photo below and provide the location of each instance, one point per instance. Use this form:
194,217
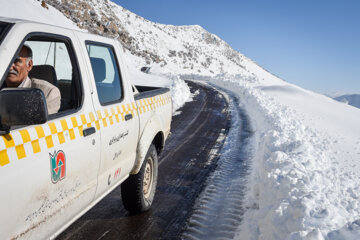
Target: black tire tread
132,188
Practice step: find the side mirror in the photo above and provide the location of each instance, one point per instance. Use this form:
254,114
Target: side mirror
21,106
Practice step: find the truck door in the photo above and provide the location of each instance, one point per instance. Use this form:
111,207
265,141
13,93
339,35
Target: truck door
48,172
116,110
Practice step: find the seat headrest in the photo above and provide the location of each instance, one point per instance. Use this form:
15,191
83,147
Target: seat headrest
99,68
44,72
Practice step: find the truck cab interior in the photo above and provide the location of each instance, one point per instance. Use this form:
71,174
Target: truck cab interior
54,61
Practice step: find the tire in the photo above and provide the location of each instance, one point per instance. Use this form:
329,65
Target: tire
138,190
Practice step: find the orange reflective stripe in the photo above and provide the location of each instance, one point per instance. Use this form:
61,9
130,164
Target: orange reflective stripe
60,128
4,158
25,135
9,141
20,151
52,127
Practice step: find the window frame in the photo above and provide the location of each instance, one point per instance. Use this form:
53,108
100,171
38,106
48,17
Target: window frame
75,64
101,44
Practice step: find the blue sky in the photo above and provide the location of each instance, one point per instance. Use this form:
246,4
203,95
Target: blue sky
312,43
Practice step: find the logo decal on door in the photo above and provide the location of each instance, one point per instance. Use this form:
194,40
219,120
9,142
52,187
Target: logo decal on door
58,166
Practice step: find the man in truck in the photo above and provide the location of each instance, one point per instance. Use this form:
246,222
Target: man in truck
18,78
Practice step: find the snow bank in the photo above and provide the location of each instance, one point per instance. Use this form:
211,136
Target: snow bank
305,173
180,93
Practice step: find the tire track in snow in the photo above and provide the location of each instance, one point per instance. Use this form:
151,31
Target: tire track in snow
218,211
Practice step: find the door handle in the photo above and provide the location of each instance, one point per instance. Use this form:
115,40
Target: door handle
128,117
88,131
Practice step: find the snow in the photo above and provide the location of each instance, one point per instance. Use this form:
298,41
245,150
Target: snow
32,10
305,173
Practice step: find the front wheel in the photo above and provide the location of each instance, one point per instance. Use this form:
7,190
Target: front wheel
138,190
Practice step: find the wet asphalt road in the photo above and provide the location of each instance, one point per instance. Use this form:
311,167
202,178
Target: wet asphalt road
184,165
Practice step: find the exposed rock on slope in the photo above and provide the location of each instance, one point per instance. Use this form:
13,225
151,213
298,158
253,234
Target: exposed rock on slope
182,49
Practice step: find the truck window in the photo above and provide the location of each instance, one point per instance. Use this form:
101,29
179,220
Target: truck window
3,30
53,61
57,56
106,73
54,54
2,27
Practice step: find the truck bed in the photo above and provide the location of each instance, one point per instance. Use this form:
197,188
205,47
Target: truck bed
146,92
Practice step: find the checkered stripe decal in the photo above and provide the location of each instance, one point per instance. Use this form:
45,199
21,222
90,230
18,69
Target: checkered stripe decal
22,143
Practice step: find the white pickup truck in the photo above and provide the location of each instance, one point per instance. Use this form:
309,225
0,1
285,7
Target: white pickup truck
54,168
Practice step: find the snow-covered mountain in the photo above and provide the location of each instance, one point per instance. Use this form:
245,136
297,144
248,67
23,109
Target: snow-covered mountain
168,49
351,99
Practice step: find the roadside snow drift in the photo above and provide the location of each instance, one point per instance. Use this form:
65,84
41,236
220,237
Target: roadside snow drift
305,171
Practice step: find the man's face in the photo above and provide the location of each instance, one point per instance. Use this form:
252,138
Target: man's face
19,70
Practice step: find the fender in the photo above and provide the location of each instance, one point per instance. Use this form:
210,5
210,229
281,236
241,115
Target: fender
151,129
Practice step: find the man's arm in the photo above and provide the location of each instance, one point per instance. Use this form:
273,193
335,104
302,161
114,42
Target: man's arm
51,92
53,100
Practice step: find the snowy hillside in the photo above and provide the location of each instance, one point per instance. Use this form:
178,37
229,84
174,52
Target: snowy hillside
305,176
167,49
351,99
